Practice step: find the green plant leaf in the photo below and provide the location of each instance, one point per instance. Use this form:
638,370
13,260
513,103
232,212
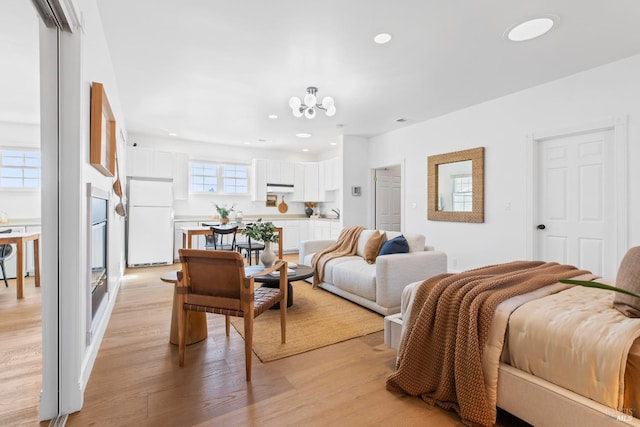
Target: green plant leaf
598,286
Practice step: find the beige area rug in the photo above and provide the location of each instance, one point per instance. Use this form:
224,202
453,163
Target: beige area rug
316,319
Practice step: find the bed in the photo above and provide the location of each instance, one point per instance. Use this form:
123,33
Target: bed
552,354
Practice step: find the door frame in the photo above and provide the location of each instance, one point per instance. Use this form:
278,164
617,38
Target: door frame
619,126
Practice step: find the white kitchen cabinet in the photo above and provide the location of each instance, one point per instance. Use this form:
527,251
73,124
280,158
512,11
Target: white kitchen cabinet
280,172
332,174
180,176
258,180
321,230
311,182
304,230
290,235
177,238
142,162
298,183
336,228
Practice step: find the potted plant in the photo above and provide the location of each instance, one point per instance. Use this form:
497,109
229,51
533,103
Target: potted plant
264,232
224,212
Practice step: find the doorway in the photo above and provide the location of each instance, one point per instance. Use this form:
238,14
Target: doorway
579,197
388,198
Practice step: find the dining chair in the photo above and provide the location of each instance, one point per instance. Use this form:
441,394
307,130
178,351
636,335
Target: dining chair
249,247
215,282
5,253
221,238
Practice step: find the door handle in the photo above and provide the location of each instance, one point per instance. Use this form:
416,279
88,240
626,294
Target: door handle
541,227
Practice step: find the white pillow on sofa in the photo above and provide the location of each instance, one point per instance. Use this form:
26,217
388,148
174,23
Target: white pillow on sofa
415,241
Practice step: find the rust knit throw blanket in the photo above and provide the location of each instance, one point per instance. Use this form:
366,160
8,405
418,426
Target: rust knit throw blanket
346,245
440,356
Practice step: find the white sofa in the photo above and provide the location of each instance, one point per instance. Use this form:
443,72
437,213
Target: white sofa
376,286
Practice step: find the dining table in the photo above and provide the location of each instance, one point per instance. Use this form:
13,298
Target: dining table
189,232
20,239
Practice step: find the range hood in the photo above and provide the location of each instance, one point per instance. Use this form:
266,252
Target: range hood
279,188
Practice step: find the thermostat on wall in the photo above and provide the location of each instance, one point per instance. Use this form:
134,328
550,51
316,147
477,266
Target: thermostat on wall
356,191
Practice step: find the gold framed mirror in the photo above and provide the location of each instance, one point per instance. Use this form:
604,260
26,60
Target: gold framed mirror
455,186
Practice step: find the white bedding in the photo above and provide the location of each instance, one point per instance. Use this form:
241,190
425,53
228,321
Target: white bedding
595,340
536,354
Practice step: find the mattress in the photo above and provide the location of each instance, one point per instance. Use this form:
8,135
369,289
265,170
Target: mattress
631,390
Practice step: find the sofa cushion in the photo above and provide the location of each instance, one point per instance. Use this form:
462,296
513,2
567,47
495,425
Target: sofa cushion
397,245
329,266
373,246
356,277
363,239
628,278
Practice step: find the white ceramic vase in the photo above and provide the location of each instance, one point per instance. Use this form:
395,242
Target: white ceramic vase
267,257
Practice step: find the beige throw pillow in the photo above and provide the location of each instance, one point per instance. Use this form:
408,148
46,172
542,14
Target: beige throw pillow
373,246
628,278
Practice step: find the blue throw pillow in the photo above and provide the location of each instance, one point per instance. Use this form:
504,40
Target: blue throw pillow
397,245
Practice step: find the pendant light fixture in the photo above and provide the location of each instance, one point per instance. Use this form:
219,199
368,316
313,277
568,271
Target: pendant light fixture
308,106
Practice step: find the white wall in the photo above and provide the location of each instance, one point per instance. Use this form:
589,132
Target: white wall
84,58
356,210
501,126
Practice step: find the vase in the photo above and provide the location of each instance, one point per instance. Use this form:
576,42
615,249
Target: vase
224,220
267,257
308,212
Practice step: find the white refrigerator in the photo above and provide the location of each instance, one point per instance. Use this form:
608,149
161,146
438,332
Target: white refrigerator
150,222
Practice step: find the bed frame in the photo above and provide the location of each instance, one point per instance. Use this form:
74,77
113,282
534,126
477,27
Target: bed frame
535,400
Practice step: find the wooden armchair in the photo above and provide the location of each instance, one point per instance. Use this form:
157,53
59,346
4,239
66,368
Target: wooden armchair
215,282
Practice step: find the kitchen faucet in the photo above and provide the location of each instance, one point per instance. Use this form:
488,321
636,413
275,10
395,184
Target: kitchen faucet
336,211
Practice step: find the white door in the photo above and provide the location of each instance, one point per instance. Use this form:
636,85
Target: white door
575,179
388,199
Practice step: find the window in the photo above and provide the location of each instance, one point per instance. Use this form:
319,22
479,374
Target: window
20,169
219,178
204,177
462,193
235,179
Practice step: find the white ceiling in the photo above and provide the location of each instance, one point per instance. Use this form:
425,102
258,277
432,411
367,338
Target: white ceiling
212,71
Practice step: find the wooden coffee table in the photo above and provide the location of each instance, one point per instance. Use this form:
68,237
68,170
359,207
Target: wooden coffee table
301,272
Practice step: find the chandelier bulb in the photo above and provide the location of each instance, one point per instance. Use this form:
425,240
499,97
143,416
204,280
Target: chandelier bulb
327,102
294,103
310,100
296,112
331,111
310,113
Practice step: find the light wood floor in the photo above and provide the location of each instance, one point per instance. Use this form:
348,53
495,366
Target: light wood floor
136,380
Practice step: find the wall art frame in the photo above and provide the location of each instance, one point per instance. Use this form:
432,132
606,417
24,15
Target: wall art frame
102,153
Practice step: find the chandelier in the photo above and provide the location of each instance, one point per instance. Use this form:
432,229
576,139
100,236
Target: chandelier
309,105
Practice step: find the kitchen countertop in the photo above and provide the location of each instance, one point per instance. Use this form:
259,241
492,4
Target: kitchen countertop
245,218
21,222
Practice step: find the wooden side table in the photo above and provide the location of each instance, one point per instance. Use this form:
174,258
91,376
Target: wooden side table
196,320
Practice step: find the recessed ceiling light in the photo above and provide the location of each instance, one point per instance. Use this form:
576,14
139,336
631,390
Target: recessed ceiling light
401,120
530,29
263,140
333,143
172,134
247,143
303,135
273,116
305,149
382,38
